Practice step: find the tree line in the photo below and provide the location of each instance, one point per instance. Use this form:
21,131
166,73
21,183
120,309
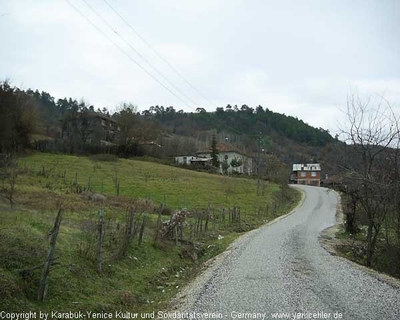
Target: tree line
70,124
244,120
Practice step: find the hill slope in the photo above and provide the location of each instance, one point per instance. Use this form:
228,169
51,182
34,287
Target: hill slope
74,125
151,270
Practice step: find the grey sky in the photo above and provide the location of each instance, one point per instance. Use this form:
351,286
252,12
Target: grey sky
301,58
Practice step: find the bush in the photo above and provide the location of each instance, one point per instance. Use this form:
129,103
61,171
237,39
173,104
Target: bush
20,248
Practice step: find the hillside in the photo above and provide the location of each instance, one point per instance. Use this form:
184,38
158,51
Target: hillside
241,121
141,270
247,129
78,127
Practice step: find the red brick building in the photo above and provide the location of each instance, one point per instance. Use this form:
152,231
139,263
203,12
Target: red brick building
306,174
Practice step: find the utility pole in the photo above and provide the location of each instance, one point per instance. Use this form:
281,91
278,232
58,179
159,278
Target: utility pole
258,165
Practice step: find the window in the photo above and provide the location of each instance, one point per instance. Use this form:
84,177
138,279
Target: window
303,174
313,174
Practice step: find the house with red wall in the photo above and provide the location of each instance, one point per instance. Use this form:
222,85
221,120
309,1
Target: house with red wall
306,174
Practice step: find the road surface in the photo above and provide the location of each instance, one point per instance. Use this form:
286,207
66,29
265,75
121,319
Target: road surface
281,271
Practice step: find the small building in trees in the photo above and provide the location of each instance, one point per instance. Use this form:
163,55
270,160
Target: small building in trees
193,160
90,127
306,174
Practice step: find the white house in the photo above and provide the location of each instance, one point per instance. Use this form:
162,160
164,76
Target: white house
192,160
229,154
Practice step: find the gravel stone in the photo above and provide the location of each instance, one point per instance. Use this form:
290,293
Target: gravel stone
282,268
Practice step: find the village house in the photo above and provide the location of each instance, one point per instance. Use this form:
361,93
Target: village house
306,174
191,160
237,161
91,127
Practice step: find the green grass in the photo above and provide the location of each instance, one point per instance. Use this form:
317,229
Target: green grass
139,179
150,274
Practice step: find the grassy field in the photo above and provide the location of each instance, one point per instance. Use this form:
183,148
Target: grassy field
152,271
138,179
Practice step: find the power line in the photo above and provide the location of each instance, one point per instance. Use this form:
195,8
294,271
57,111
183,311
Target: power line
125,53
138,64
139,54
156,52
165,61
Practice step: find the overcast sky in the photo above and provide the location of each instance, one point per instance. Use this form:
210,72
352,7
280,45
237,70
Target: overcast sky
301,58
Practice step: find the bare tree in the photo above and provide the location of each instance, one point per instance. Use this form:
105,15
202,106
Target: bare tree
372,136
135,130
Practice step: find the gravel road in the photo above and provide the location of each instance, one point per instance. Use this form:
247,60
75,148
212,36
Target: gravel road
281,271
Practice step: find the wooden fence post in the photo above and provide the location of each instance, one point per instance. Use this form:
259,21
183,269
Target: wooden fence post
46,269
141,231
213,219
191,233
201,223
129,231
176,235
159,222
197,224
206,223
100,242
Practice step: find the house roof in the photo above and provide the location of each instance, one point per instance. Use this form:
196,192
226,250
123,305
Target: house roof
306,167
91,114
222,148
193,157
198,159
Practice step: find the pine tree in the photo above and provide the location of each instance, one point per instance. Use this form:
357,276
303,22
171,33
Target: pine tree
214,152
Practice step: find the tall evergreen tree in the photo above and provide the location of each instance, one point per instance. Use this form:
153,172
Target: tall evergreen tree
214,152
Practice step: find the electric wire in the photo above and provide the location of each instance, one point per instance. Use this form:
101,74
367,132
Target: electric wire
169,64
138,64
125,53
157,53
139,54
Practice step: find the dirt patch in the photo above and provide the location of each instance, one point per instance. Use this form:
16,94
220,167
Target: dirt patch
327,237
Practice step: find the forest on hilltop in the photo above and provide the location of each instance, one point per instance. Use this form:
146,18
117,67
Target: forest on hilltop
178,132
